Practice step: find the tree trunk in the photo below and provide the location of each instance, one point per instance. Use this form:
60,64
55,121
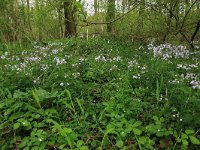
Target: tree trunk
95,7
110,16
59,11
28,15
123,6
70,26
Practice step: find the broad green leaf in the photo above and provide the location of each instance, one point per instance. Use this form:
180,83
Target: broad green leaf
2,105
189,132
79,143
184,136
16,125
185,142
62,146
108,131
194,140
155,118
119,143
36,98
83,148
137,131
136,124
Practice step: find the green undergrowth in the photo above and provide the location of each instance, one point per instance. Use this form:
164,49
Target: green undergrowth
96,94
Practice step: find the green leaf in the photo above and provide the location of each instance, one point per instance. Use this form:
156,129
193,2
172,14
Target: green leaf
83,148
185,142
155,118
2,105
36,98
62,146
184,136
194,140
79,143
37,116
80,105
189,132
136,124
16,126
108,131
137,131
78,5
119,144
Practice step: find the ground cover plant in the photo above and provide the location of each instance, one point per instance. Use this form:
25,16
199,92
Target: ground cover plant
99,94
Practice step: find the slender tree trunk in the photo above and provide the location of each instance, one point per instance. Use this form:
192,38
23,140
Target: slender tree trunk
59,11
28,15
70,26
38,20
110,16
194,34
130,3
95,7
123,6
141,16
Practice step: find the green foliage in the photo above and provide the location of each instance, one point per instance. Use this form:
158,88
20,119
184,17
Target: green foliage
96,94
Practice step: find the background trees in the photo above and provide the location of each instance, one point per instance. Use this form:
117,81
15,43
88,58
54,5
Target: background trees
164,20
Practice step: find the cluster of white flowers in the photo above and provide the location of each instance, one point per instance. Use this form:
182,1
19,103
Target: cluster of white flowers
37,80
118,58
102,58
137,76
76,75
167,51
33,59
55,44
195,84
44,67
187,66
188,76
114,67
59,61
132,63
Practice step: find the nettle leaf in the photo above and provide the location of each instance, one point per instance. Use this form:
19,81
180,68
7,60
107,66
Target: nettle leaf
194,140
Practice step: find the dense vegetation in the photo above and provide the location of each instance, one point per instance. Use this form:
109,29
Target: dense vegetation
99,93
122,75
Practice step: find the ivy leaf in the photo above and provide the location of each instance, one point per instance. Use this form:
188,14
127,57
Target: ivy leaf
194,140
